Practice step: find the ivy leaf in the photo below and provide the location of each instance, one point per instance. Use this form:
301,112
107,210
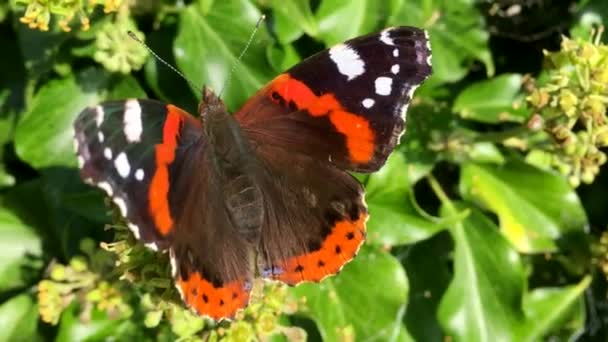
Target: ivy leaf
374,280
207,48
362,17
393,218
429,273
293,18
44,136
550,308
19,246
98,327
482,303
535,207
19,319
493,101
457,34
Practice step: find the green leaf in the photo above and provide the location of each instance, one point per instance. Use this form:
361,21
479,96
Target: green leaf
393,218
98,327
483,301
39,49
534,207
362,17
429,274
457,33
373,281
44,136
492,101
282,57
548,309
207,46
19,246
292,18
19,319
592,15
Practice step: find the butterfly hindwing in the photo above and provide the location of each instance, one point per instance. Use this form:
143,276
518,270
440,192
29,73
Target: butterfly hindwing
346,104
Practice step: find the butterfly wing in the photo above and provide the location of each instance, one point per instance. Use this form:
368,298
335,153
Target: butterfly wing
151,159
315,217
346,104
341,109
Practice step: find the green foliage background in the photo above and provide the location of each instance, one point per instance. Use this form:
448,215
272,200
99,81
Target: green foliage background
480,228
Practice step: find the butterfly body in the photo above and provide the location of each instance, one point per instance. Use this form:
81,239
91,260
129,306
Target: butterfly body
264,191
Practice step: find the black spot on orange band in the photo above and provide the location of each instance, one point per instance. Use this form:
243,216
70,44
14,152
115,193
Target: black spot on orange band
336,250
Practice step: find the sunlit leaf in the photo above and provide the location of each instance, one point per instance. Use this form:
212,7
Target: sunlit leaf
207,47
393,218
535,207
495,100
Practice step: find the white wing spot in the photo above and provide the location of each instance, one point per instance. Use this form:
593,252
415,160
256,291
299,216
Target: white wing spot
396,52
122,206
395,69
135,230
132,121
347,60
122,165
99,115
368,103
151,245
139,174
384,85
105,186
107,153
80,162
100,137
173,263
386,38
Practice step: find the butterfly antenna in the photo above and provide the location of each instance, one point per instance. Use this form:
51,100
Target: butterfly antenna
135,38
238,59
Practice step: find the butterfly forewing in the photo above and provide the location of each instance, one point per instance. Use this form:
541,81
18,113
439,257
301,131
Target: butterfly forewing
346,104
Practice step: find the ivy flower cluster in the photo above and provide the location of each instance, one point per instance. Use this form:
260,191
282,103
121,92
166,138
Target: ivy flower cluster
570,100
38,13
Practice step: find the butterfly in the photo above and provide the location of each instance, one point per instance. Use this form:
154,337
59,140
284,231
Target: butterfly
264,192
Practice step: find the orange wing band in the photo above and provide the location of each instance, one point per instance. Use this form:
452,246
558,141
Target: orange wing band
358,133
215,302
338,248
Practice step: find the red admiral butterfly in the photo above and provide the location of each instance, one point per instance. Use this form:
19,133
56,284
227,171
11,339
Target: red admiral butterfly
264,192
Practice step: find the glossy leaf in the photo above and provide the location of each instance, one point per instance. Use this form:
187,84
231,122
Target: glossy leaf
19,319
535,207
293,19
19,246
492,101
429,272
96,327
456,32
483,301
549,308
207,46
362,17
393,218
44,136
373,281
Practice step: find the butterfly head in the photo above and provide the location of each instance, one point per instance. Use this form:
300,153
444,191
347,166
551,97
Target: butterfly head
211,108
